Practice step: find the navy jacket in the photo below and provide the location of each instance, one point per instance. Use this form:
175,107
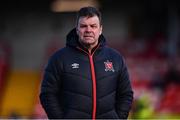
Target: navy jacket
78,84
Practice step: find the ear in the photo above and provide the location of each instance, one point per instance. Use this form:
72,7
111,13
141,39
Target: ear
77,31
100,30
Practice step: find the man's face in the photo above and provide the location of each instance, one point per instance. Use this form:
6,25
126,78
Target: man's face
89,30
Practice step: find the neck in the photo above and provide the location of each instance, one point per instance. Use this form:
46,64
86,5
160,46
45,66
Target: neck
88,46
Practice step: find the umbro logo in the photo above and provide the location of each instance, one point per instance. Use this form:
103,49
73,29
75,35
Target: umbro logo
75,65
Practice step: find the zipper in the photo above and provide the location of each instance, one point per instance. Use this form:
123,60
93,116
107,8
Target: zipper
94,86
93,76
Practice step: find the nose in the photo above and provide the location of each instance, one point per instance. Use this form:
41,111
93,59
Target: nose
88,29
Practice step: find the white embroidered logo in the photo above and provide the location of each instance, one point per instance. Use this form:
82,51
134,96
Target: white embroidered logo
109,66
75,65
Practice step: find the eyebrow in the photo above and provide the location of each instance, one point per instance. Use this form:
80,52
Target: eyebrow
94,24
86,24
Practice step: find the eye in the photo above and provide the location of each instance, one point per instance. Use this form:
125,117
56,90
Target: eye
83,26
94,26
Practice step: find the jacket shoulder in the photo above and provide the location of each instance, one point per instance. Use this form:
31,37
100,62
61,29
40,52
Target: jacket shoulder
57,58
59,54
113,52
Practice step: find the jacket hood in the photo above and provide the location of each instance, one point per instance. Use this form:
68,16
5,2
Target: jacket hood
72,39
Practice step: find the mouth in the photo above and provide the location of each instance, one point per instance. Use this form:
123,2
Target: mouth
88,36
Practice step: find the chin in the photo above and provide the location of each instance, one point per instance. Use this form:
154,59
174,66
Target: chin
88,42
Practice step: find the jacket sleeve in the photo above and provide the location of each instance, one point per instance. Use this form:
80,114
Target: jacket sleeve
50,90
124,93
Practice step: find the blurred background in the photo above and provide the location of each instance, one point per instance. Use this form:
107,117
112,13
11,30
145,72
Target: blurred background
145,32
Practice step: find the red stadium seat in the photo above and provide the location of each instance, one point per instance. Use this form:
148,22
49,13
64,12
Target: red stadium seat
171,100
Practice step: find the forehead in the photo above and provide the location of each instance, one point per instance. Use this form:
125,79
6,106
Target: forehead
89,20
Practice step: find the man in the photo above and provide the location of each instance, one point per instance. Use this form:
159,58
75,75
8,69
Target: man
86,79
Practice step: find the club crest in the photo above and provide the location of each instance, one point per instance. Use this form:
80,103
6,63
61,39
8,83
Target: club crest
108,66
